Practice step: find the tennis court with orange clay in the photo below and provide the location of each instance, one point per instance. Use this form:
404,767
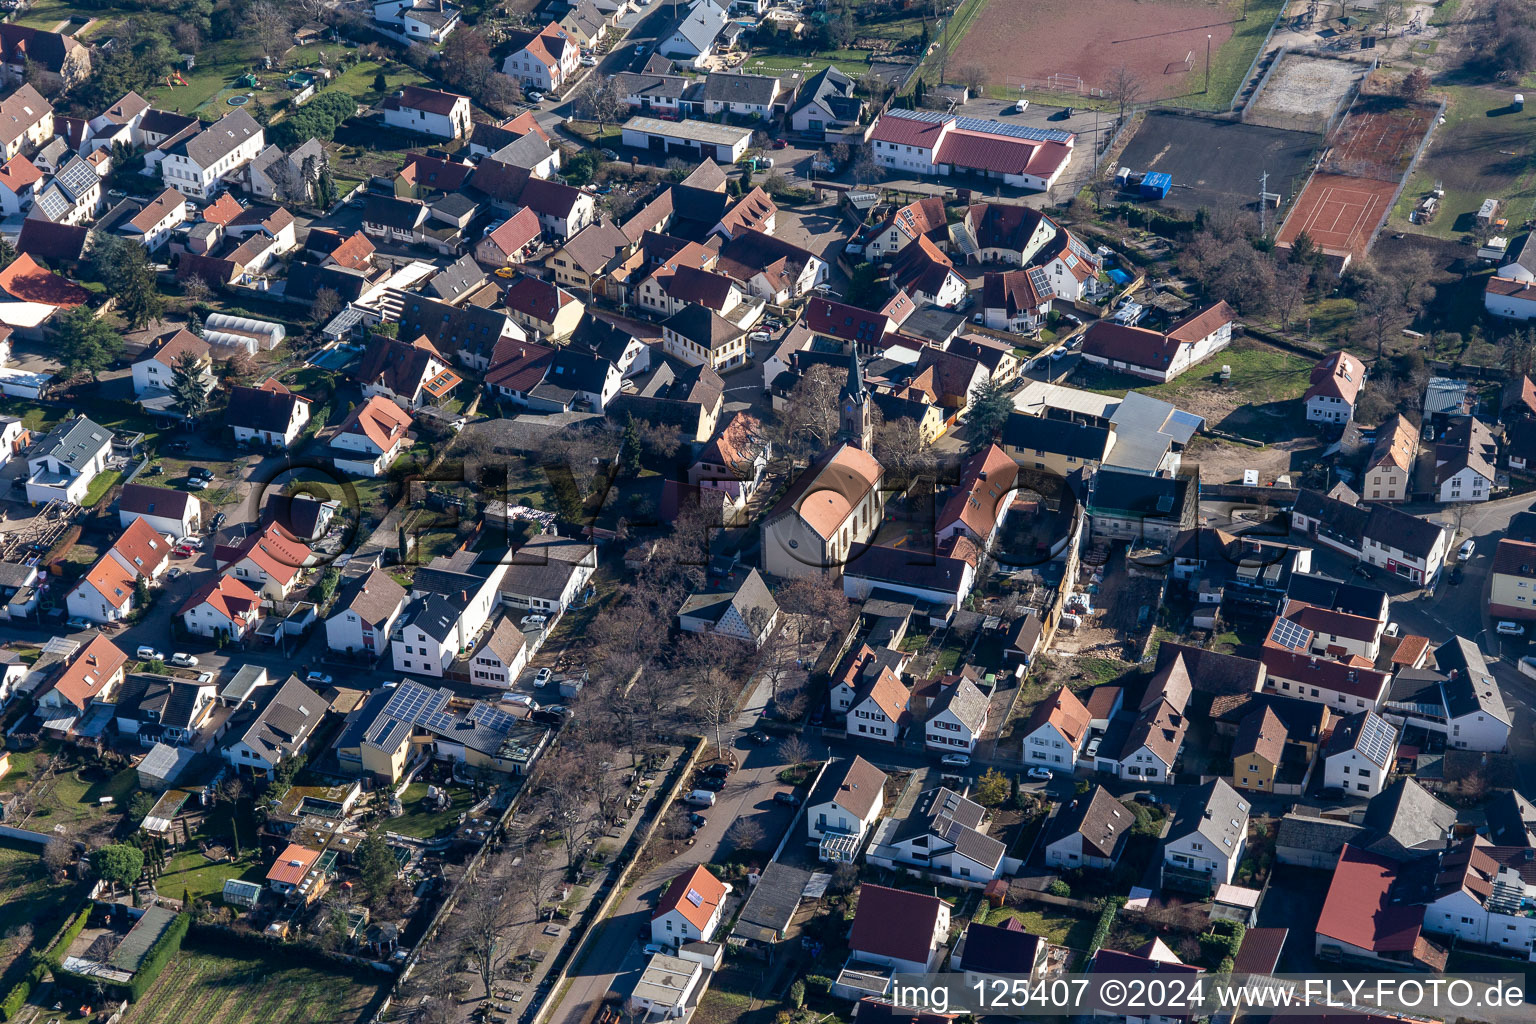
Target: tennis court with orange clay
1338,213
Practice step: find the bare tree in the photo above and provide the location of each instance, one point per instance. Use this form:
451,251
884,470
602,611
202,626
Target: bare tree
793,750
270,26
486,914
1392,13
904,451
865,169
58,855
715,705
326,305
601,100
809,420
973,77
777,657
534,880
1125,88
745,834
1291,281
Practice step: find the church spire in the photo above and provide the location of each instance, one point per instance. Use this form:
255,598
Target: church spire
854,401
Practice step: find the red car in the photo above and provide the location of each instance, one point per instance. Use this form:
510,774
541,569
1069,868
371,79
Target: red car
780,144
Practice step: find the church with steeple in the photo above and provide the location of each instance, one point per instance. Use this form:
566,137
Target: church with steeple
854,403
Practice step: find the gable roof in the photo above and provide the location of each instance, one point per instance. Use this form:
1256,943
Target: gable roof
227,595
379,420
142,547
1260,732
86,674
285,722
1339,376
416,97
219,139
1101,820
895,923
696,895
1396,442
1065,712
889,694
986,488
1359,909
829,489
373,596
274,552
853,783
1215,811
111,580
1406,820
262,408
142,499
24,279
516,231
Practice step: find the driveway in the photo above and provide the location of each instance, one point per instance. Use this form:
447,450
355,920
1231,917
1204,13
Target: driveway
616,956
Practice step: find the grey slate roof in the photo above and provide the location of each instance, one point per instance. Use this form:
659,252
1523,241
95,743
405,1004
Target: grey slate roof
280,728
457,279
1470,687
74,443
435,615
1211,811
1103,822
965,702
725,87
1317,835
218,140
1407,821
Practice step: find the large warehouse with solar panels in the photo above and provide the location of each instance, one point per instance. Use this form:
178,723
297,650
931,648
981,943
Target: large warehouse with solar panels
933,143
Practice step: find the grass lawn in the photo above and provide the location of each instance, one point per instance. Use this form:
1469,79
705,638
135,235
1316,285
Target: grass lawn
99,486
1260,375
188,870
1483,151
45,14
421,823
26,765
26,897
249,990
1061,926
69,799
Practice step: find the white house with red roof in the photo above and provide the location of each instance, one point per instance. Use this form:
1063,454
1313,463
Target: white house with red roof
92,673
1343,686
1056,732
224,606
104,594
924,218
142,550
1368,917
544,60
881,709
690,909
902,930
267,560
1336,383
368,443
429,111
979,504
933,143
925,273
1159,355
19,179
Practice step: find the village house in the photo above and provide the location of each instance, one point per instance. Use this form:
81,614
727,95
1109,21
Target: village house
62,465
223,607
368,603
1056,731
1335,385
444,115
690,909
371,438
843,806
269,414
1207,840
745,610
198,164
171,513
1160,356
901,930
1389,470
1089,831
1360,754
261,739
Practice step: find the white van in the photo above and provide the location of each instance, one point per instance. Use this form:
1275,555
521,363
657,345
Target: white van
700,798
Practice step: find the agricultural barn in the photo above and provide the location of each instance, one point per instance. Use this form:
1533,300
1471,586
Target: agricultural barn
693,140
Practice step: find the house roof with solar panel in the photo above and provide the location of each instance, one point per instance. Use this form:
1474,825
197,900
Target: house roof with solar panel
1367,734
1018,154
499,735
697,896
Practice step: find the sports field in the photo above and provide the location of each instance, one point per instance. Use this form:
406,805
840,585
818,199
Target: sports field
212,989
1063,46
1339,213
1217,164
1378,138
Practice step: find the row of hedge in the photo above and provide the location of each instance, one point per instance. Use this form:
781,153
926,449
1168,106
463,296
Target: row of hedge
1112,905
49,958
155,960
294,952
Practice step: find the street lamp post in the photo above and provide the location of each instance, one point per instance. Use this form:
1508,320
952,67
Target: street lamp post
1207,62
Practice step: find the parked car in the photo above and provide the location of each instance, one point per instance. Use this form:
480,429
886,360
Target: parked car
709,782
147,653
196,484
196,543
217,522
199,472
1507,628
534,96
720,769
652,948
181,659
955,760
522,700
588,61
76,622
700,798
818,715
609,154
558,709
759,737
1468,546
784,796
534,620
318,679
179,446
780,143
1039,773
543,676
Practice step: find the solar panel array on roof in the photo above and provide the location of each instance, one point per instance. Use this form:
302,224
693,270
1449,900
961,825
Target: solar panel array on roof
1290,635
1013,131
1039,282
491,717
1376,736
695,898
